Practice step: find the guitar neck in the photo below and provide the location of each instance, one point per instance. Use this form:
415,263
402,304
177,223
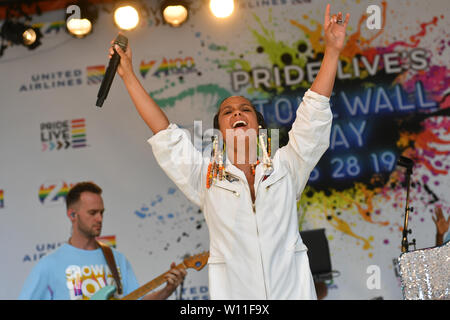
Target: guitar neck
149,286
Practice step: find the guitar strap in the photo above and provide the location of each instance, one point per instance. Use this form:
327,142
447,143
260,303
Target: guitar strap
109,256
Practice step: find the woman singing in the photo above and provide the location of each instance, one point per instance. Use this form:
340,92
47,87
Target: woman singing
256,251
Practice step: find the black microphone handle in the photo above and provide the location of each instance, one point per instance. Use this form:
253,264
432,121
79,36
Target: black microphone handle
108,78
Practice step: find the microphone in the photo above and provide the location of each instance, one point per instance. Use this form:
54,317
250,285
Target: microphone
122,42
405,162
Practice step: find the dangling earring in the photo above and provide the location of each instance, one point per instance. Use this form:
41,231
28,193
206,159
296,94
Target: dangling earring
215,167
209,176
211,165
220,155
253,165
267,161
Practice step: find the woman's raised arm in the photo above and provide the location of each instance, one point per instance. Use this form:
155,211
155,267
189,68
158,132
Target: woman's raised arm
147,108
334,28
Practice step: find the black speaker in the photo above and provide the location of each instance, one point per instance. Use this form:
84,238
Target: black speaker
318,254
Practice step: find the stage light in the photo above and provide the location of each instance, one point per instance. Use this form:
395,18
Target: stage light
174,12
80,18
29,37
17,29
126,17
79,27
21,34
221,8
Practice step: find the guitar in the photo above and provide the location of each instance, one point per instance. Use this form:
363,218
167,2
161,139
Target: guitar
196,262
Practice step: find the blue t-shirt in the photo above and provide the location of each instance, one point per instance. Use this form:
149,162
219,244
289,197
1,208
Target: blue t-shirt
70,273
447,238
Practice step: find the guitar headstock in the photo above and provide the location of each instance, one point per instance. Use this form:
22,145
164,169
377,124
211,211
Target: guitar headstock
197,261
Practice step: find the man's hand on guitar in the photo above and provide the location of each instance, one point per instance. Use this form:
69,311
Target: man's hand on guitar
174,277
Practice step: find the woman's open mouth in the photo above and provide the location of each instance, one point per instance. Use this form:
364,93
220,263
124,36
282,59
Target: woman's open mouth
239,124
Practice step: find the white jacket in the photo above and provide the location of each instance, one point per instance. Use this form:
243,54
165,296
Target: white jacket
254,253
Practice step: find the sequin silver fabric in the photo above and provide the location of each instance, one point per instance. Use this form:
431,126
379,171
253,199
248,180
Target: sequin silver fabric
425,273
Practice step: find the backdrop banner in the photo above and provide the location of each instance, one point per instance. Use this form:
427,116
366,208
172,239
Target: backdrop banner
390,99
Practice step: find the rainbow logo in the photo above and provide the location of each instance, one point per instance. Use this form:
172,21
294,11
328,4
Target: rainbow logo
55,26
53,193
163,68
95,74
2,201
44,192
144,68
78,133
108,240
176,66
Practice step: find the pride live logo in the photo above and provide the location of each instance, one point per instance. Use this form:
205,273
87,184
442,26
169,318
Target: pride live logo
62,135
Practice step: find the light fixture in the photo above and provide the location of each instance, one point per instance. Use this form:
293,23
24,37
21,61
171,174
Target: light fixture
21,34
175,13
126,16
80,18
221,8
79,27
29,37
17,28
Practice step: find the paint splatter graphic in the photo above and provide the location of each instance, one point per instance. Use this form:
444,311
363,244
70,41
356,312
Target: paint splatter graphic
389,101
185,221
419,135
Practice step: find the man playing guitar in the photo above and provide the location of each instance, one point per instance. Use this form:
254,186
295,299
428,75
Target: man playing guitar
78,269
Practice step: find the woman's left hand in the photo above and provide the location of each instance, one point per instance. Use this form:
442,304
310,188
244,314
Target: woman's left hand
334,31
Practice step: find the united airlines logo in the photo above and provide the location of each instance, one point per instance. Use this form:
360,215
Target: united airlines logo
62,135
95,74
53,80
92,75
40,250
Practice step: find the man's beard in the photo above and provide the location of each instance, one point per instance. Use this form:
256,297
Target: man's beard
89,232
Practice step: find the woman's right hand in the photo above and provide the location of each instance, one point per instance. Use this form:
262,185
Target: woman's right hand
126,66
442,225
148,109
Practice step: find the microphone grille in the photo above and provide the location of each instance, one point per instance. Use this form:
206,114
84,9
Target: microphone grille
122,41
